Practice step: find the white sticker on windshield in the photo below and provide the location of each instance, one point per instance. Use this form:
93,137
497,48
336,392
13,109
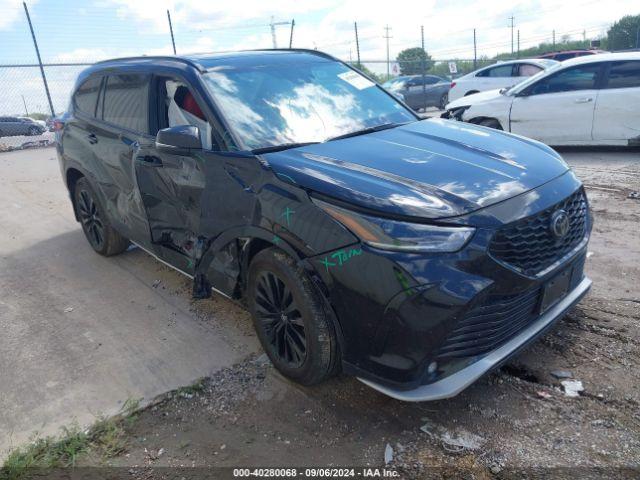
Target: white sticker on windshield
356,80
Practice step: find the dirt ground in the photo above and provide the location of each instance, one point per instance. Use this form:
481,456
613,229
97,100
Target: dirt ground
514,422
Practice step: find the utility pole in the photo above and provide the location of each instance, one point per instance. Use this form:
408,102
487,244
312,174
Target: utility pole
518,55
387,36
475,50
35,44
173,40
554,39
512,19
273,31
355,26
293,24
424,67
26,110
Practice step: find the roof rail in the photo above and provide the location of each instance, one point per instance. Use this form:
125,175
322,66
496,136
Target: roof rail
155,57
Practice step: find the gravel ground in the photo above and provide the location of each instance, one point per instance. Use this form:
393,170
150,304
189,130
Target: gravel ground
516,422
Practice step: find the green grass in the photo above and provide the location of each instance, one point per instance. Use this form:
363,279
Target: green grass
196,387
105,439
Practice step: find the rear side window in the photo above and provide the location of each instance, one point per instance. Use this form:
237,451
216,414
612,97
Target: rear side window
501,71
126,101
87,95
624,75
527,69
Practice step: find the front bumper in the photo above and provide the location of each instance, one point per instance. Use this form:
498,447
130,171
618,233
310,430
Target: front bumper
453,384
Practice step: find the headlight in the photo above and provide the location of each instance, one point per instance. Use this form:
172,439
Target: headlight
401,236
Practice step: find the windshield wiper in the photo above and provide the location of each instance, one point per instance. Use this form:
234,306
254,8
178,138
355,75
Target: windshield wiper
364,131
279,148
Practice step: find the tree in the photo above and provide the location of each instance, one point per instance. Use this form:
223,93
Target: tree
624,33
410,61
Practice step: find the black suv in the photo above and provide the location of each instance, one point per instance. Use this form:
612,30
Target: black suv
416,255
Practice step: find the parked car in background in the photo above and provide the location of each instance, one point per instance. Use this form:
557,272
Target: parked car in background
499,75
589,100
420,91
567,54
14,126
415,255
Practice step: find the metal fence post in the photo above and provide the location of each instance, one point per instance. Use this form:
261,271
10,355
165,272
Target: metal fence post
173,41
35,44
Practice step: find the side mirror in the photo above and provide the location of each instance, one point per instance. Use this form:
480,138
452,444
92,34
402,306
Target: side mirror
179,140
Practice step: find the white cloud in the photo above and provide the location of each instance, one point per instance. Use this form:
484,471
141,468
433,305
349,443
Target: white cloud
12,10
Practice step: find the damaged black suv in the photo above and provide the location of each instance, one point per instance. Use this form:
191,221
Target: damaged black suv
414,254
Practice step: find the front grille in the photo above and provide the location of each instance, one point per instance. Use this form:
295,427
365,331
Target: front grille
499,318
486,327
528,244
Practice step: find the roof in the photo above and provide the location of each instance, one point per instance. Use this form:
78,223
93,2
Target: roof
603,57
204,61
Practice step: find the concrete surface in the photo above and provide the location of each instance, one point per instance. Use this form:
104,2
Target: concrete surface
82,333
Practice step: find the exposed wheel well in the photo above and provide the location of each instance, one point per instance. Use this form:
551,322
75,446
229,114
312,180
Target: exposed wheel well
73,176
487,121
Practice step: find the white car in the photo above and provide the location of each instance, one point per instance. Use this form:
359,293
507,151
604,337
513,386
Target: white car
499,75
590,100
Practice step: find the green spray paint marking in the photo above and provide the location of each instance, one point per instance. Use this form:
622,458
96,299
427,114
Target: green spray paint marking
276,239
287,215
340,257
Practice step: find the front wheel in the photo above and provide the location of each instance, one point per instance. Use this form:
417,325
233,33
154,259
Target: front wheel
33,131
491,123
101,236
290,320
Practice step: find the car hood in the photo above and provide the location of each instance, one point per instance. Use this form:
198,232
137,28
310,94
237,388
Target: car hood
477,98
429,169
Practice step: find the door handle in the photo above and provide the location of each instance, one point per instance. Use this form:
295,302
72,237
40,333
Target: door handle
149,160
583,100
92,138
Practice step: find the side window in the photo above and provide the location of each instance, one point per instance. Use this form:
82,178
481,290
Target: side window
176,105
86,96
499,71
126,101
527,69
582,77
624,75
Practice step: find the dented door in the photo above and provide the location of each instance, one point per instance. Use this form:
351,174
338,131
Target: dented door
191,199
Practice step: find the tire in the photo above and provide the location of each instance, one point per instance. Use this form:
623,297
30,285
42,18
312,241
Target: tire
288,314
444,99
101,236
33,131
491,123
471,92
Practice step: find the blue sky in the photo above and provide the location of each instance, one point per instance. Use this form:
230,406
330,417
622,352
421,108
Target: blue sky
90,30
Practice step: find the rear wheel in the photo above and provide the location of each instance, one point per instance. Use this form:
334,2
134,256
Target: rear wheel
101,236
288,315
444,99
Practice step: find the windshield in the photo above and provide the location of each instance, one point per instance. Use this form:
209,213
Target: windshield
518,87
299,102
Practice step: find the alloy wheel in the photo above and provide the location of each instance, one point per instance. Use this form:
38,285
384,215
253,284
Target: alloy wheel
281,319
90,218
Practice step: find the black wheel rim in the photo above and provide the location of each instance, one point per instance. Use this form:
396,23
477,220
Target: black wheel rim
280,319
443,101
90,218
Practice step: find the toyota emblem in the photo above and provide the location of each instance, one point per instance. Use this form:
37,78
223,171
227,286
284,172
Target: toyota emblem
559,223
